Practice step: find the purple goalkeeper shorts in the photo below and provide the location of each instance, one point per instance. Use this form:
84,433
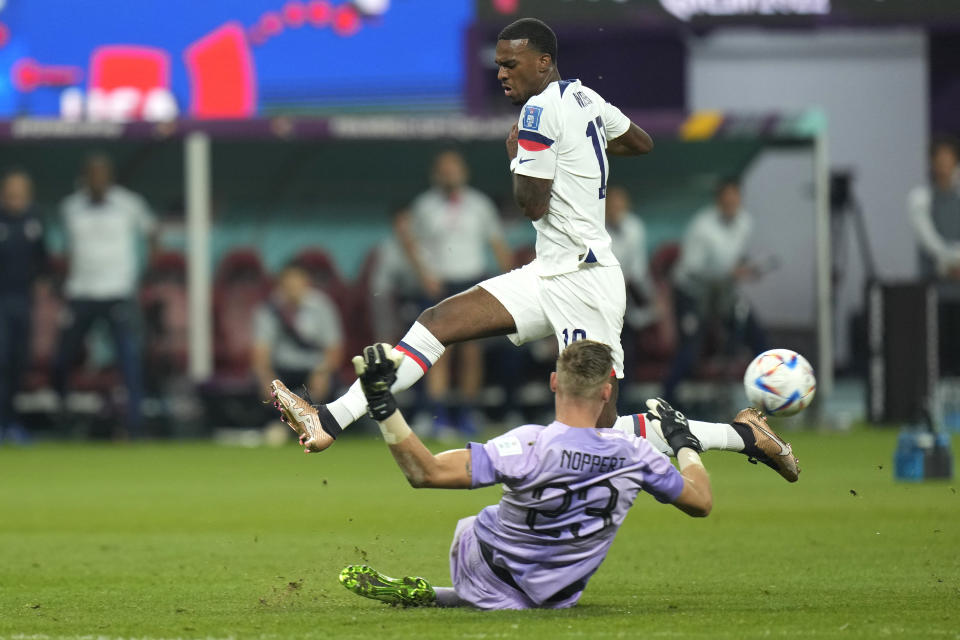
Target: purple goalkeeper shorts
475,582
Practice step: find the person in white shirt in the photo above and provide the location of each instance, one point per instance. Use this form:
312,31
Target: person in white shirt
712,263
628,239
297,335
453,225
934,212
103,223
574,289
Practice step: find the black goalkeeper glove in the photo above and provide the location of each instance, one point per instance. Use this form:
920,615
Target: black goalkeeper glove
673,426
377,370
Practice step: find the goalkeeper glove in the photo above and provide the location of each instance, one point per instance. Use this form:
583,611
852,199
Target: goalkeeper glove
673,426
377,370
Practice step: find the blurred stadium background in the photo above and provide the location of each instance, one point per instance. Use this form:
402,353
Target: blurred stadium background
274,130
269,131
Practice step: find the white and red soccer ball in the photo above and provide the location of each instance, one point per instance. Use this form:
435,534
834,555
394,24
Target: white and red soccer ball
780,382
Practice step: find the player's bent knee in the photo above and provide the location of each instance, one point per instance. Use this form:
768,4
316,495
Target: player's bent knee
432,319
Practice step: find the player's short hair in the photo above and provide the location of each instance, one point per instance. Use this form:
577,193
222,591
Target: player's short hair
583,368
536,32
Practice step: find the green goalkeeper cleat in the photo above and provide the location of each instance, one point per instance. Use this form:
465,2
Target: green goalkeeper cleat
409,591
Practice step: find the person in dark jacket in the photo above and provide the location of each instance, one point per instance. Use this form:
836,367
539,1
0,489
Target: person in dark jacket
22,260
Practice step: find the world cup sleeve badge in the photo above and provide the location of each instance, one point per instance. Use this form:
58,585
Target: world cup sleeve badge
531,117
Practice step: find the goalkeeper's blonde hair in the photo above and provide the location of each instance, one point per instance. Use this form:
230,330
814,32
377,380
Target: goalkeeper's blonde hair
583,368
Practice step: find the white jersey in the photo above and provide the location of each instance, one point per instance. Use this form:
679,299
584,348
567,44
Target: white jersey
563,135
102,238
454,232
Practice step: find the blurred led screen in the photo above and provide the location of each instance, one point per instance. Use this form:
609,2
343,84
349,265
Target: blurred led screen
725,11
159,60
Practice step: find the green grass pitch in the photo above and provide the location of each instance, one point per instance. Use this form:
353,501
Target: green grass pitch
198,541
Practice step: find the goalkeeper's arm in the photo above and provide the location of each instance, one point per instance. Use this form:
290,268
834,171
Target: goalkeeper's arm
696,498
447,470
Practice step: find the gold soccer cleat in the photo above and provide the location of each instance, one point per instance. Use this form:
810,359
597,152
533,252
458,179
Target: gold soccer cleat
761,444
314,424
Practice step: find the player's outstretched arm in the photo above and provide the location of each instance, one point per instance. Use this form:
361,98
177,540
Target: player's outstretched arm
377,370
634,142
696,498
447,470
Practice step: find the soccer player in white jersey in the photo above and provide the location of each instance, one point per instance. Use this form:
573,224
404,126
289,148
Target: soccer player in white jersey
568,487
574,289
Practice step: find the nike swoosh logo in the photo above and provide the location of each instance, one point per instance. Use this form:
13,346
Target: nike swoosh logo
784,450
526,160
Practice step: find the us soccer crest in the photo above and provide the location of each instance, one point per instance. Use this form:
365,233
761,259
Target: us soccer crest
531,117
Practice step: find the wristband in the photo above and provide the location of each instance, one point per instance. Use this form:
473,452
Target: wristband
394,429
381,405
514,163
687,457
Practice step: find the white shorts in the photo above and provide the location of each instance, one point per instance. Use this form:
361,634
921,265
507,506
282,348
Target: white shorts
588,303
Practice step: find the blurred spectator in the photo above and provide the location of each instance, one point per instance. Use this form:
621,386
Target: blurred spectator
453,224
103,223
22,259
935,215
628,238
711,266
396,296
297,336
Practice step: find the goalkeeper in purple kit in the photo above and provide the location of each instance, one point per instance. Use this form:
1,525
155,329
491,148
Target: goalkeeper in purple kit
567,489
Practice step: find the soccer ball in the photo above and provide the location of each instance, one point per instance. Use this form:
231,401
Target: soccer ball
780,382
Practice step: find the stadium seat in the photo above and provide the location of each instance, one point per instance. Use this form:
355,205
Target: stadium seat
163,298
240,284
524,255
326,277
657,342
360,331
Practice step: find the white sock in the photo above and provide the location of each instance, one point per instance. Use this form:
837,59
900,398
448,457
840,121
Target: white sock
712,435
421,349
716,435
447,597
636,424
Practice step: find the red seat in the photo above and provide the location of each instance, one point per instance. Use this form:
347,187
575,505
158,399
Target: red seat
657,342
326,277
163,298
240,285
524,255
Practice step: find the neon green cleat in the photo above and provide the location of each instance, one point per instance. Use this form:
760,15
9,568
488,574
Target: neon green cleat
409,591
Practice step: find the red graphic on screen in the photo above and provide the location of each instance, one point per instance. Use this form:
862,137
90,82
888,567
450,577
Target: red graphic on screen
28,75
117,66
294,14
222,81
133,82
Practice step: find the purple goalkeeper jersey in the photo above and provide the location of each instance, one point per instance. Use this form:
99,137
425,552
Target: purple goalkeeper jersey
566,492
